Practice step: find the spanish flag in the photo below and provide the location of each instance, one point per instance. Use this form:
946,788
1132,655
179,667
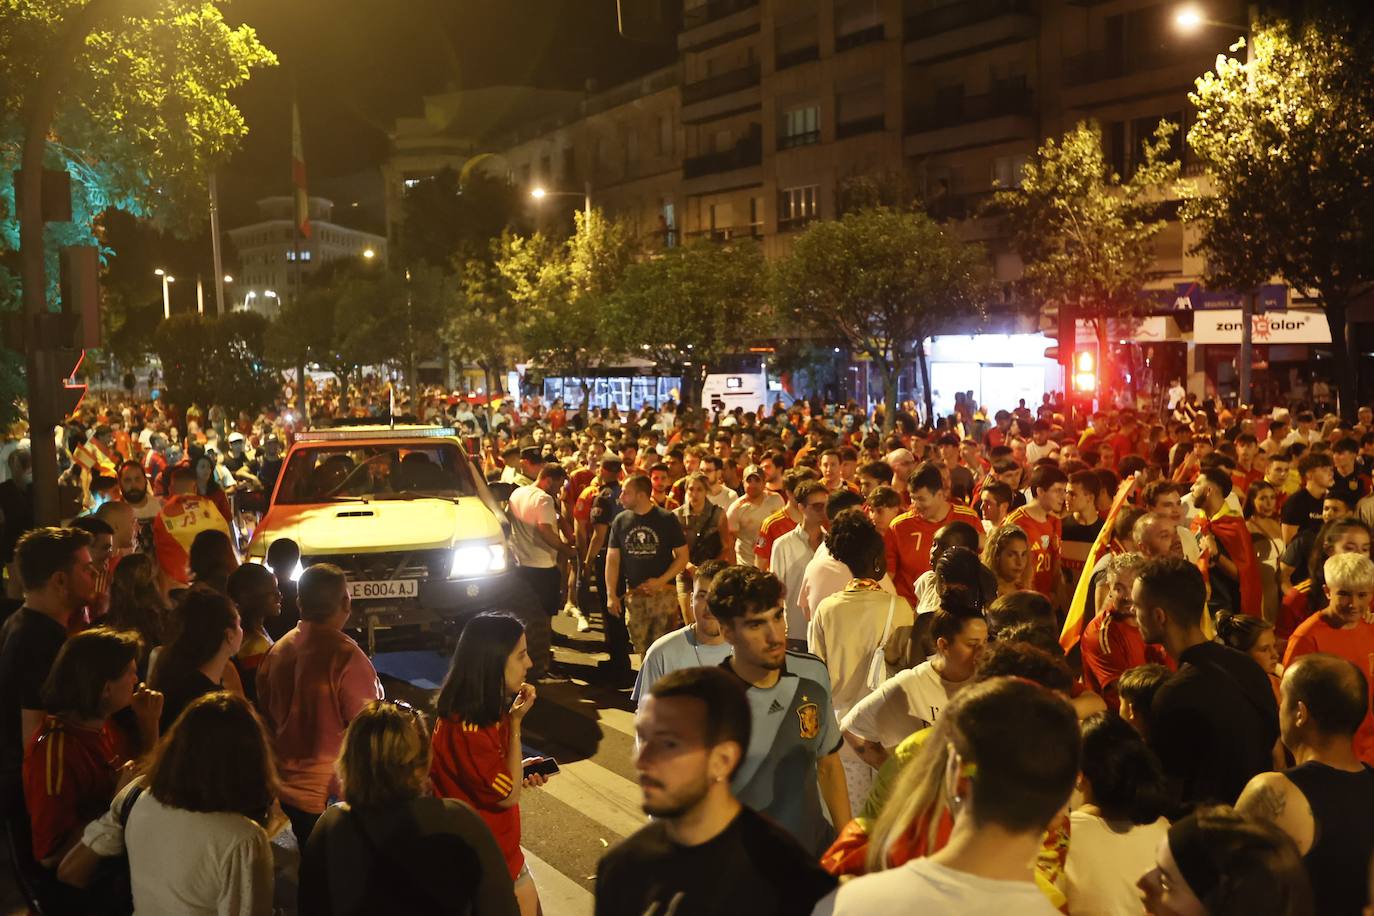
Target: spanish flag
298,172
1073,624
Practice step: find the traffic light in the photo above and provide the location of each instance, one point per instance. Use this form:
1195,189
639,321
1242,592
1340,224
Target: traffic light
1084,372
1057,323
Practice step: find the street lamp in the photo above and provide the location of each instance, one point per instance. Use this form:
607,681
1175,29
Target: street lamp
228,278
369,254
539,193
167,280
248,299
1190,19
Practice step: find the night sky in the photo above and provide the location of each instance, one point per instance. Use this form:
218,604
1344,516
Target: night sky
357,65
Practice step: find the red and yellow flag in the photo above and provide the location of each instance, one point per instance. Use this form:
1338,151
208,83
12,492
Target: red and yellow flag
1073,624
298,172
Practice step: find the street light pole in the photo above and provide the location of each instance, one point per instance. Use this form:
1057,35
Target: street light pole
167,279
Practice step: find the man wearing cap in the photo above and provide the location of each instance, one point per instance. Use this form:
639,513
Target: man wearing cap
238,464
747,513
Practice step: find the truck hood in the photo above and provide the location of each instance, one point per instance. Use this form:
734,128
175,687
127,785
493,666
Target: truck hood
380,525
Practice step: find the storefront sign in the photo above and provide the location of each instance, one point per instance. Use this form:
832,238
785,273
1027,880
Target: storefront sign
1223,326
1273,297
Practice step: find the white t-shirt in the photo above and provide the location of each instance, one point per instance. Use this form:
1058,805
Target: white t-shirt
1104,864
1035,452
724,498
927,595
791,554
189,862
906,703
745,520
844,633
924,887
532,507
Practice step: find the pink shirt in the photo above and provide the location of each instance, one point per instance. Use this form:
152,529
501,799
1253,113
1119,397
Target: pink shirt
311,683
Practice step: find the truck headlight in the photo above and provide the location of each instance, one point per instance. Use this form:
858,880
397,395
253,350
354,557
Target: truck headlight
477,560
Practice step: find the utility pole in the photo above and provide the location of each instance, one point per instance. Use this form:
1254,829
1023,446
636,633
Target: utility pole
215,246
1251,298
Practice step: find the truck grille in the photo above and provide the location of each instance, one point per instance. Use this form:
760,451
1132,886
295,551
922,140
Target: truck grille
404,564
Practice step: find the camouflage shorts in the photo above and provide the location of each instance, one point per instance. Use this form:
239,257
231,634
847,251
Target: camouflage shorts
649,616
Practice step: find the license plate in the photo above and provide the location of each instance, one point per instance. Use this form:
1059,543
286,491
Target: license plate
390,588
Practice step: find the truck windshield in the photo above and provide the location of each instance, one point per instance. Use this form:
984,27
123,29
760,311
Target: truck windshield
339,471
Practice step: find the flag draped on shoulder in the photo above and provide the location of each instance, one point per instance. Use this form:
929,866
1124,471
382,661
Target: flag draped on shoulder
298,172
1073,624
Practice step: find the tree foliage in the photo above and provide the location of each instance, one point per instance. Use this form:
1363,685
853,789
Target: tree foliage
1086,234
562,289
447,222
688,307
1287,144
217,361
882,280
480,328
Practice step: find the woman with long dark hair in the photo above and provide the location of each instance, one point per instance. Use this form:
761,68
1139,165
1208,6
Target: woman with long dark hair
253,589
392,846
197,835
205,635
476,743
137,604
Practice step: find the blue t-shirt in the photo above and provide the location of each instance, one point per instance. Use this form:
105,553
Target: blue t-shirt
673,652
793,727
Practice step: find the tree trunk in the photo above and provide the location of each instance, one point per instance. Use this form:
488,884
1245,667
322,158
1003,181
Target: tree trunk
486,377
302,404
1104,398
1347,370
924,365
586,394
889,399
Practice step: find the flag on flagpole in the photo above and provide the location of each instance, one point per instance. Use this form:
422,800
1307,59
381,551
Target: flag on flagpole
298,172
1078,607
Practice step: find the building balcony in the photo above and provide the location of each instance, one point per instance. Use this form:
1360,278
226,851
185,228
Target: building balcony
720,84
959,15
744,154
969,109
729,233
1101,76
717,21
970,121
861,37
796,57
964,27
792,141
959,206
858,126
796,223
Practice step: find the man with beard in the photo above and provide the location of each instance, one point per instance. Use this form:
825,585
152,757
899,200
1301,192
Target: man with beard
134,490
705,852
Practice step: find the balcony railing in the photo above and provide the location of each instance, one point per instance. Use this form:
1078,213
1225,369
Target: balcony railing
958,15
1096,66
959,206
789,141
861,37
746,153
969,108
860,126
720,84
712,10
794,223
752,231
797,56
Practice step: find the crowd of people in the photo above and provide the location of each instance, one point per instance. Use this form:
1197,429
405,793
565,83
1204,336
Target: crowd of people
1000,663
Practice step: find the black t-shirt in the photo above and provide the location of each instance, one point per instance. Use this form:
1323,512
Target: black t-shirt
646,543
752,868
29,643
426,855
1213,725
1303,509
179,689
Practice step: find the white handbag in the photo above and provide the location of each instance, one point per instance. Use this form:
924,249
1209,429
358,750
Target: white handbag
877,667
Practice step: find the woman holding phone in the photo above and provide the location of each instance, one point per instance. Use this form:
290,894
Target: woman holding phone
476,744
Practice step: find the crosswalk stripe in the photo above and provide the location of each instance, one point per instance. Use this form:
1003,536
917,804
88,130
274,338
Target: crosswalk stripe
621,720
605,797
559,895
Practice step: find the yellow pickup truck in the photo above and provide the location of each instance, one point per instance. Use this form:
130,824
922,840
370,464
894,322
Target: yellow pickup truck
403,511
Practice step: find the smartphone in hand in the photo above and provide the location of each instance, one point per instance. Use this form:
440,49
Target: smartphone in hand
544,766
